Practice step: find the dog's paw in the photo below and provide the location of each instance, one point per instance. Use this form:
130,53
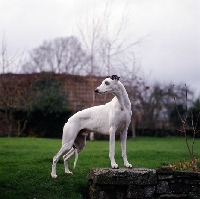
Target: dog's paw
54,175
68,172
115,166
128,166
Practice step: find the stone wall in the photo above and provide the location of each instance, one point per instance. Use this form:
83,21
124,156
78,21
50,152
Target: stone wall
142,183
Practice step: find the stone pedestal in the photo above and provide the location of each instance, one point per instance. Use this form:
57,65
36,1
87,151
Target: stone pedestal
123,183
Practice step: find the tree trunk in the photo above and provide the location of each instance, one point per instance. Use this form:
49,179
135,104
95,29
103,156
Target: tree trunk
9,121
133,126
19,129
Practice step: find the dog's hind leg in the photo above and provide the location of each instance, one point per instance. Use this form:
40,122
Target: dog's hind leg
66,158
79,144
65,147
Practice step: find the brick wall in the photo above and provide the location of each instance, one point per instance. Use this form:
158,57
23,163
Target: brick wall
15,91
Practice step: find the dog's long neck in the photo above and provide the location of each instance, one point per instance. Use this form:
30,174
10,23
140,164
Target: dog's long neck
122,97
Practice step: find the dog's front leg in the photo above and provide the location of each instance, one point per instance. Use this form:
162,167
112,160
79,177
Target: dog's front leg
123,137
112,149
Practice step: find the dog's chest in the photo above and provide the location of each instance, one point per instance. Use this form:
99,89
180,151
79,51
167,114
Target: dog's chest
120,127
123,120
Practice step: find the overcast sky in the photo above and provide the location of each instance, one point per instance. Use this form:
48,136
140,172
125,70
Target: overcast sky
170,48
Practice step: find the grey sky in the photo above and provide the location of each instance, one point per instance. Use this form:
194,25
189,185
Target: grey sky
169,52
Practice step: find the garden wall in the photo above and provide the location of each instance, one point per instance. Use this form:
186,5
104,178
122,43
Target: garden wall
142,183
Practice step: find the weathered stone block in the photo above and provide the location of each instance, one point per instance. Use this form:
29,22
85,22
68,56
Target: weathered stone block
194,175
100,194
165,170
195,192
135,192
123,176
165,177
120,194
103,186
192,182
193,195
195,189
94,193
179,188
149,191
173,196
163,187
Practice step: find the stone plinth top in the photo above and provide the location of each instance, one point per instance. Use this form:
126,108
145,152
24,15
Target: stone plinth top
122,176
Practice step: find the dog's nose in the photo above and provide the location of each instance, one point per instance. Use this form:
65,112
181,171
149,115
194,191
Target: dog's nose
96,90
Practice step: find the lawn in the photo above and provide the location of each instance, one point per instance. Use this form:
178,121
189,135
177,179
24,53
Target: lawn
25,164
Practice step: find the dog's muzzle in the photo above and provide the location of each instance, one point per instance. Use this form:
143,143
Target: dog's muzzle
96,90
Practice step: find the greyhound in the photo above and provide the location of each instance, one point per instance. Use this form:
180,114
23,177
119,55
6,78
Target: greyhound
112,118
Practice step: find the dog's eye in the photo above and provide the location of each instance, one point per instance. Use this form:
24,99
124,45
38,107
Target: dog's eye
107,83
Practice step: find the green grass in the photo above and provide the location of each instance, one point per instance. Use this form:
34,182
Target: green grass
25,164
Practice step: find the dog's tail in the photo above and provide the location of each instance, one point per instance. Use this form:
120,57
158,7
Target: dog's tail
76,157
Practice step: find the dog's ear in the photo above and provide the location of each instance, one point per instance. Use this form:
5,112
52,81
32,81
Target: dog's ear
115,77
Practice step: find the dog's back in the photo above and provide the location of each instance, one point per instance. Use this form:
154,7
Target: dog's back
94,119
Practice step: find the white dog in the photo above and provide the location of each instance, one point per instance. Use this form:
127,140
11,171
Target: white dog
110,119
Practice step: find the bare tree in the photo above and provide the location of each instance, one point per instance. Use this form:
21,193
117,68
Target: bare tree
183,119
90,34
105,40
9,63
10,97
116,50
62,55
153,99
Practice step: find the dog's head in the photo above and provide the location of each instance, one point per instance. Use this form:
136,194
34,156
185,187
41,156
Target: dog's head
108,85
